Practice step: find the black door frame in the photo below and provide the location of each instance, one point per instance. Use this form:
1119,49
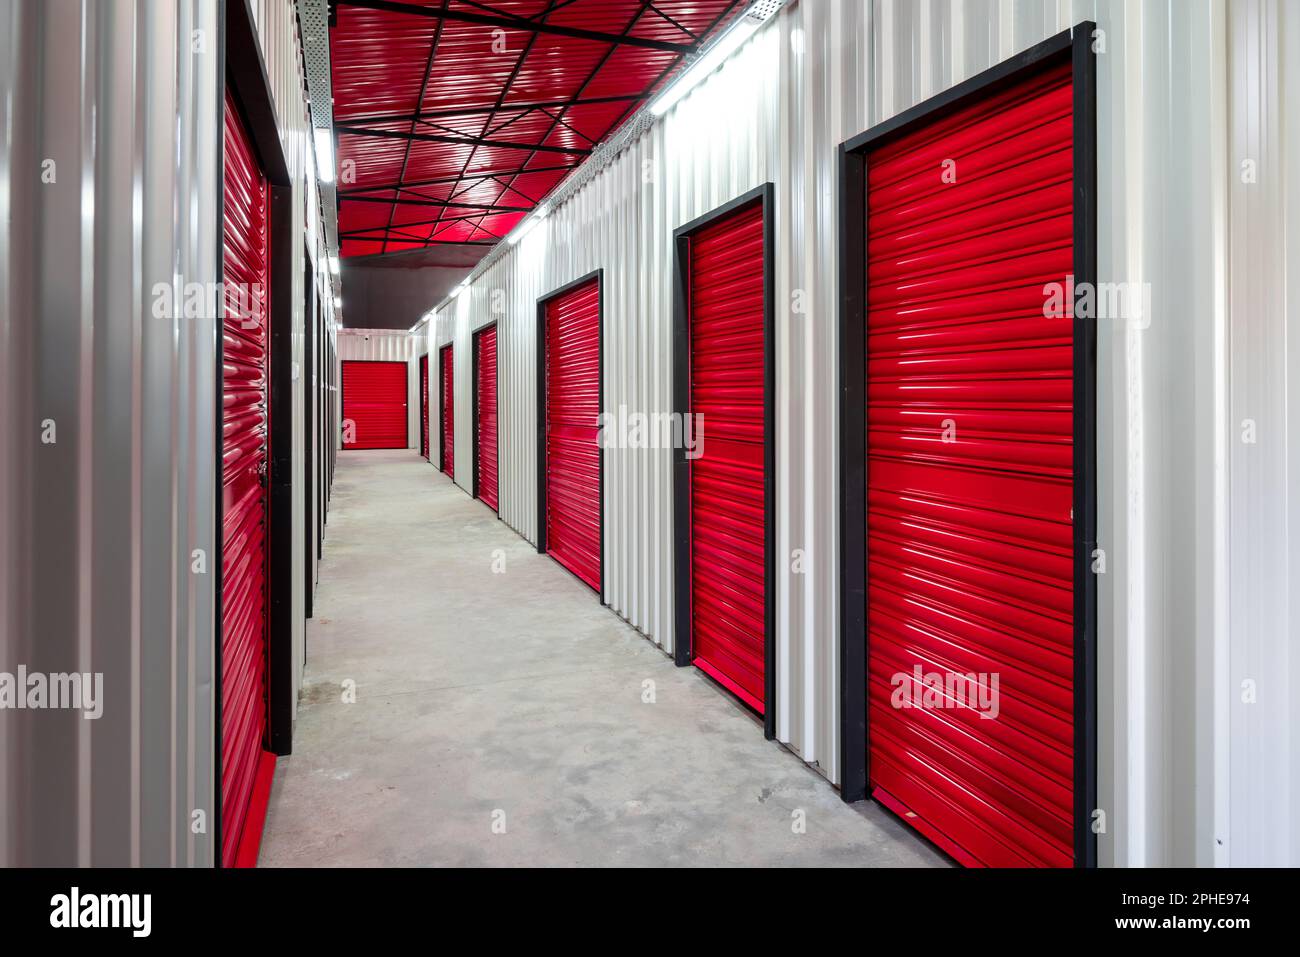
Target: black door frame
422,370
599,276
1070,46
683,653
475,371
308,429
442,411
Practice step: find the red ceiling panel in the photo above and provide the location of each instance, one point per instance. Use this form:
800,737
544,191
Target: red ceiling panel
434,111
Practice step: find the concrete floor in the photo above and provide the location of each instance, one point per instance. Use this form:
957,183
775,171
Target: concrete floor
515,699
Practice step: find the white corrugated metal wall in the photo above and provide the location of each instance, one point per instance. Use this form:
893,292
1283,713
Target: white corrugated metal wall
110,141
1261,772
1190,772
126,99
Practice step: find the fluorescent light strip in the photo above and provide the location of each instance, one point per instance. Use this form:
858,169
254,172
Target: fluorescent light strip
740,31
324,155
527,226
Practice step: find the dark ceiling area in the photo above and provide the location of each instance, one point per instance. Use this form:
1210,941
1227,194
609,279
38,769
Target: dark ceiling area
394,291
455,118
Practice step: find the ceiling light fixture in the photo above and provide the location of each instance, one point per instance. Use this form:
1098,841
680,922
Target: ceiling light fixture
527,226
324,155
727,44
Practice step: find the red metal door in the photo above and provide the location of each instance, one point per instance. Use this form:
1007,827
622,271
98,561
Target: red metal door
424,405
728,521
374,404
572,426
970,478
486,366
245,778
448,387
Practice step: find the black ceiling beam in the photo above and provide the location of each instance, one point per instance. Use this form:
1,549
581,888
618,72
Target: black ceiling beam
354,233
424,86
459,140
504,108
454,178
427,242
504,93
438,203
509,22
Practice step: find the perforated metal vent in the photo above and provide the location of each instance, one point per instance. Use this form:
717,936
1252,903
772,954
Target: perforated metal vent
313,20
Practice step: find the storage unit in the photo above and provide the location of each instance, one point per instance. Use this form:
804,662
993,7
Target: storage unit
447,391
246,766
374,405
424,405
724,480
570,465
485,416
979,463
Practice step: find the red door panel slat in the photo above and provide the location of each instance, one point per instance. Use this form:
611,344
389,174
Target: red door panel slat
374,403
572,423
970,432
727,484
424,405
244,497
486,344
448,380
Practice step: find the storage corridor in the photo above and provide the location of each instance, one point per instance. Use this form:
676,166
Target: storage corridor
499,716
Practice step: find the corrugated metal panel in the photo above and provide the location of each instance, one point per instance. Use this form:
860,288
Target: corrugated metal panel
573,452
374,405
110,190
970,526
824,71
729,479
129,207
1260,782
485,366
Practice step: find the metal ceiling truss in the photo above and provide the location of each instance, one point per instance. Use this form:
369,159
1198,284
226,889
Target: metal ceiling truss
504,108
349,130
552,116
509,21
440,203
609,150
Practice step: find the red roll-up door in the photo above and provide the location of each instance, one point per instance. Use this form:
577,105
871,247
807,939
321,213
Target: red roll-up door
447,383
486,396
728,522
572,426
245,765
374,404
970,477
424,405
